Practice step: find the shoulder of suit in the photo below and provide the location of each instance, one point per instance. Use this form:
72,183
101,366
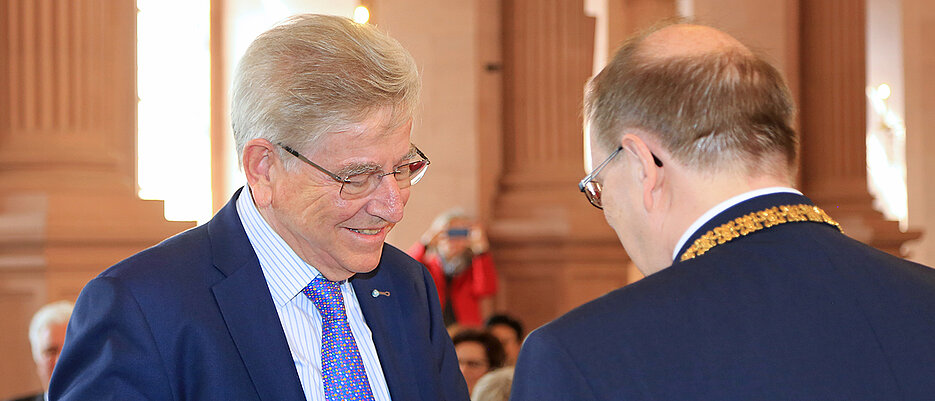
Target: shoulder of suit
632,301
173,256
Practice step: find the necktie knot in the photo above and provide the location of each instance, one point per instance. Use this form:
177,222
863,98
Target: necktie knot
326,295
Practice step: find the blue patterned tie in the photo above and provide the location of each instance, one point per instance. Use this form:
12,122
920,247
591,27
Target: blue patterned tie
342,369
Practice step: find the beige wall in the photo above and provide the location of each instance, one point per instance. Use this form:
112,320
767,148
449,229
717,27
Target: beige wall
441,37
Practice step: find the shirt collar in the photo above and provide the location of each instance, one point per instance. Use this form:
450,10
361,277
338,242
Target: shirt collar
720,207
286,273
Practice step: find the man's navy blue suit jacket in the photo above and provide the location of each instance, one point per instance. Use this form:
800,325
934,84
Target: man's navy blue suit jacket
192,319
798,311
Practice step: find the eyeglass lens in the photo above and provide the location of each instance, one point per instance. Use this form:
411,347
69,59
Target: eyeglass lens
592,191
405,175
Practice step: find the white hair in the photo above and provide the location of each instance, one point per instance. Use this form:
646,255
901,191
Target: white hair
316,74
53,313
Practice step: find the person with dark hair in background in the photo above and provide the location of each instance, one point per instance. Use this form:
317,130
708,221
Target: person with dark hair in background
510,333
478,352
455,251
751,292
289,292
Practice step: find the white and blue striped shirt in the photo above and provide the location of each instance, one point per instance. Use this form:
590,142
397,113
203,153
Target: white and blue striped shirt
286,275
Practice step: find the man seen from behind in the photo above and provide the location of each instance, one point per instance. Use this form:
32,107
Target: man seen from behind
751,291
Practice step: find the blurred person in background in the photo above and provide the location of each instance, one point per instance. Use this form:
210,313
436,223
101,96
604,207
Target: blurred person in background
455,251
510,333
478,352
47,337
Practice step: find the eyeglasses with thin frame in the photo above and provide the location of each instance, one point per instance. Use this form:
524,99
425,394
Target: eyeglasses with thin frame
592,189
357,186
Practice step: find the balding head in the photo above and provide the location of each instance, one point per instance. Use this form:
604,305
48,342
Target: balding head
704,96
686,40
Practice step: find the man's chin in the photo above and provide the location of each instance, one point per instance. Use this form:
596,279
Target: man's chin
365,269
367,263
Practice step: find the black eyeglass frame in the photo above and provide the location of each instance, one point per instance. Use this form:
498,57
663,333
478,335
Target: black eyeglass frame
345,180
592,189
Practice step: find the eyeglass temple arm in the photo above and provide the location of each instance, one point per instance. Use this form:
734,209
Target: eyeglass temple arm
597,169
320,168
590,176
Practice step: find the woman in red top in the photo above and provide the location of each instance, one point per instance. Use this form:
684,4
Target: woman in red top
454,250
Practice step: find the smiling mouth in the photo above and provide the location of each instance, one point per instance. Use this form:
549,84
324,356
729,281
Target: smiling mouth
366,232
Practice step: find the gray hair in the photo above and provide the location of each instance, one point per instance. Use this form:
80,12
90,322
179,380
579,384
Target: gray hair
53,313
722,110
494,386
315,74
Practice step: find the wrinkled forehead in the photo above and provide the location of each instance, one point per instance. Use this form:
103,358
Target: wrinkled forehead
383,120
377,125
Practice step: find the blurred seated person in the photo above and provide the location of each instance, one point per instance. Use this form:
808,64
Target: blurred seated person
479,352
46,336
454,249
510,333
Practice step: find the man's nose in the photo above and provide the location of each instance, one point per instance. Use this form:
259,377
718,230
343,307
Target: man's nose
388,200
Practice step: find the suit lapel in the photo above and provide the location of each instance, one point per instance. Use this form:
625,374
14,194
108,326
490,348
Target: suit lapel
247,307
383,315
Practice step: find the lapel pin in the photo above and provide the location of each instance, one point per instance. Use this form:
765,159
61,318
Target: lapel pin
377,293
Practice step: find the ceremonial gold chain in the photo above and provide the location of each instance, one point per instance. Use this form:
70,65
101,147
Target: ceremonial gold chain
757,221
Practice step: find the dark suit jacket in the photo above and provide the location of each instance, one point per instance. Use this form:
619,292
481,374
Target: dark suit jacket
192,319
798,311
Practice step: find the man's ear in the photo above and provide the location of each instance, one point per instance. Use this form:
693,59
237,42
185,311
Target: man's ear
259,162
651,175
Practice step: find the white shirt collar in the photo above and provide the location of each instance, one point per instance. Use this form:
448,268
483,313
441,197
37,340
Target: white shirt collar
720,207
286,273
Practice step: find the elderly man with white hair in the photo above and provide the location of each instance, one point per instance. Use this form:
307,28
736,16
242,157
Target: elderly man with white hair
289,292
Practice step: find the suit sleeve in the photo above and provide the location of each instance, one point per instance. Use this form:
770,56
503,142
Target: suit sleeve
452,381
109,351
546,371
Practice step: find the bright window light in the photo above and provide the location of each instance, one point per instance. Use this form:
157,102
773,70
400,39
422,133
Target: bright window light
173,82
886,156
